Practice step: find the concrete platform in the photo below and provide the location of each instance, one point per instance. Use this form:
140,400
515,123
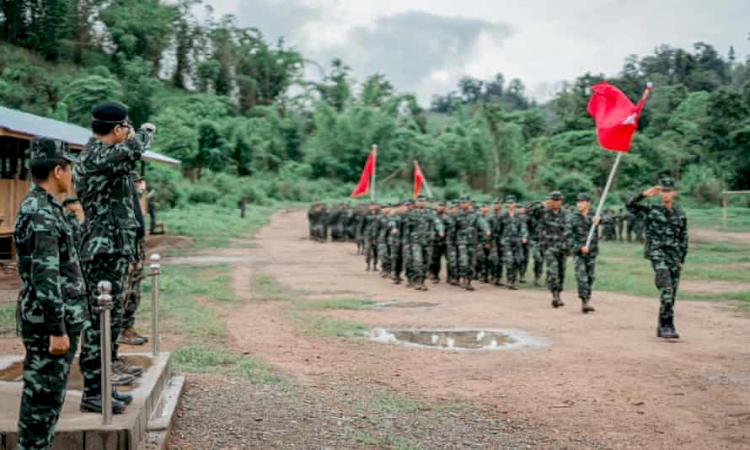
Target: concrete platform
84,431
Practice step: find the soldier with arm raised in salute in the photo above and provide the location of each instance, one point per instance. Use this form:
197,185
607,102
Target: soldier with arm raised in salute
666,247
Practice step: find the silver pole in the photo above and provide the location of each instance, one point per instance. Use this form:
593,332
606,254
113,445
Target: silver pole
374,169
104,300
604,196
155,272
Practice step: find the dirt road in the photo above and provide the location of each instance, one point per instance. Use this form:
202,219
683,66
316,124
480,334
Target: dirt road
605,377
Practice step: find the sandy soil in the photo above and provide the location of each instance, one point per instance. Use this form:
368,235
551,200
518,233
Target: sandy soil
605,377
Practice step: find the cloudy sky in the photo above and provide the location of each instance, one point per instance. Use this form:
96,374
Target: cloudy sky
425,46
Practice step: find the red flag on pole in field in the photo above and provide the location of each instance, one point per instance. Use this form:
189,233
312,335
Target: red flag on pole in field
615,115
418,179
364,180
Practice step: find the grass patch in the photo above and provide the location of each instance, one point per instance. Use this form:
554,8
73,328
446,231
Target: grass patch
8,319
350,304
202,359
213,226
267,288
738,219
328,327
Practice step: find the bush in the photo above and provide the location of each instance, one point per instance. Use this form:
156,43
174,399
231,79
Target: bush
702,185
203,194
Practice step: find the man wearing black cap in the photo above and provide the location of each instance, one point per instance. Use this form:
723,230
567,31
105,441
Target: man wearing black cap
108,246
553,240
52,306
666,247
584,258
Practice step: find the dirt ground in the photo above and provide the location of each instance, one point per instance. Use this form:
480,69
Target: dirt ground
603,377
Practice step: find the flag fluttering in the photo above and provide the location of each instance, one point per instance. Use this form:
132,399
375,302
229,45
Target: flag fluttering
419,181
364,180
615,115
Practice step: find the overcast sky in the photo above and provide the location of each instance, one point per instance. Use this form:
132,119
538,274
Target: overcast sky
425,46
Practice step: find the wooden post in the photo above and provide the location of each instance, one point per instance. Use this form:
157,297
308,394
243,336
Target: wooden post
724,202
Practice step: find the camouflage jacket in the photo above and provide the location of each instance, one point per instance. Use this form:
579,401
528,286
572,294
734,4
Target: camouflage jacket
395,222
514,229
103,184
53,294
577,231
666,229
372,225
422,223
383,229
446,220
468,226
75,229
552,230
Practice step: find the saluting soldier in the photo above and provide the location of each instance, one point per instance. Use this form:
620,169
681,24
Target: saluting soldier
666,247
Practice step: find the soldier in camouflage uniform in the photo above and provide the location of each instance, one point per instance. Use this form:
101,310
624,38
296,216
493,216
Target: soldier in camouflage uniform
371,230
468,226
638,229
534,212
383,248
555,245
108,243
496,256
484,248
666,247
451,246
421,221
394,229
350,224
584,258
359,227
74,216
51,309
514,235
440,249
619,219
129,335
525,248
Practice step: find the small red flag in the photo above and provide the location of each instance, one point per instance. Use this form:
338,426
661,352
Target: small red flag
615,115
364,180
418,179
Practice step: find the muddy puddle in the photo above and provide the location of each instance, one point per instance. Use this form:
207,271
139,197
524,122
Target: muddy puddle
458,339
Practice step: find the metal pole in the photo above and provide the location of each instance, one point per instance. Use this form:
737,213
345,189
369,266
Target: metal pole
600,206
104,300
374,169
155,272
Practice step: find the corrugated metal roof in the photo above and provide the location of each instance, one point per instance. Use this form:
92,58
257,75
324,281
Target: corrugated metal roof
32,125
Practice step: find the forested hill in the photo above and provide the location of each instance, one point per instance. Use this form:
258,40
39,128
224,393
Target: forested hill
227,100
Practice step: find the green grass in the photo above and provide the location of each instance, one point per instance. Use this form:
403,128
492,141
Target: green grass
199,358
327,327
8,319
738,219
267,288
213,226
350,304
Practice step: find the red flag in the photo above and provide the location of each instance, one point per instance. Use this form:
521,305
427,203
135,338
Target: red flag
615,115
418,179
364,180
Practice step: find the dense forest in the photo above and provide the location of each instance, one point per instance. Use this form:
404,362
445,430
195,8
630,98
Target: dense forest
231,104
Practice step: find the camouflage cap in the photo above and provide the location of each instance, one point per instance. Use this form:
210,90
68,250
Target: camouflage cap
46,149
667,184
497,201
110,112
441,203
135,176
510,199
583,197
483,204
409,202
555,195
421,198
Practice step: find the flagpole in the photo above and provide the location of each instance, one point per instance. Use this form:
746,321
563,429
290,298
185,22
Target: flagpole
611,178
374,168
416,166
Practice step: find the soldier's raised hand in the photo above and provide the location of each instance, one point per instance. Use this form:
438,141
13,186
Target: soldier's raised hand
653,191
585,250
150,127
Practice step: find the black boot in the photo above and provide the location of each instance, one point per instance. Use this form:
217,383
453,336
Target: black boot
122,397
666,328
556,300
93,403
586,306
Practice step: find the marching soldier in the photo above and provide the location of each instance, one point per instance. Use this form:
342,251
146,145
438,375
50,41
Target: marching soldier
383,249
496,251
666,247
469,224
584,258
52,308
483,248
514,235
440,248
534,213
552,238
371,228
525,248
421,221
451,245
395,227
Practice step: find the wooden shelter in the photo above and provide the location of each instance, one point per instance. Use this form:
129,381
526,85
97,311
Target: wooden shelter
17,129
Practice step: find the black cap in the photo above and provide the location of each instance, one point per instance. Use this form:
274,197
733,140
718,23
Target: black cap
110,112
46,149
441,203
510,199
555,195
410,202
667,184
583,197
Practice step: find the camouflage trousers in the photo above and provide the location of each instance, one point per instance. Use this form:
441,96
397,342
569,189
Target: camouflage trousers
512,257
585,267
496,263
112,268
667,280
466,260
524,264
556,261
438,252
45,378
451,257
385,255
418,260
538,257
133,297
408,258
429,254
371,251
397,259
319,232
482,267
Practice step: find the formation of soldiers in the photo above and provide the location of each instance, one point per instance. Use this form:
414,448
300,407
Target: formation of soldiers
415,240
62,258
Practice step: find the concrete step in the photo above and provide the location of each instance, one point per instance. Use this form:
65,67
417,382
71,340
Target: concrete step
162,419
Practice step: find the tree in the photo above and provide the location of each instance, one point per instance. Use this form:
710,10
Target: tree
87,92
